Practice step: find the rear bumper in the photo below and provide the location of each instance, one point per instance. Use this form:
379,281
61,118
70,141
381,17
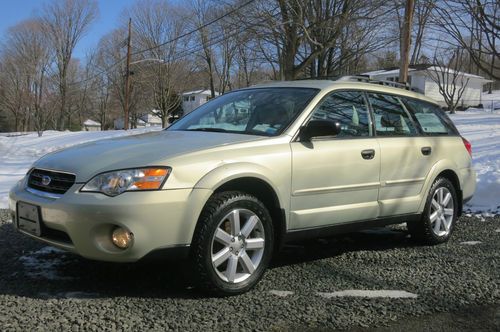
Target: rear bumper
466,199
467,183
162,221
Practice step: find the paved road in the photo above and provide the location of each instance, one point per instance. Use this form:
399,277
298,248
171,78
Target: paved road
451,286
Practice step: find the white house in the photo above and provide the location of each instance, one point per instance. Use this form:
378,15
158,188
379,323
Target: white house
151,119
419,78
194,99
91,125
146,120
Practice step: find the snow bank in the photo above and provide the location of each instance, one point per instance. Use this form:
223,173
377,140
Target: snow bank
19,151
482,129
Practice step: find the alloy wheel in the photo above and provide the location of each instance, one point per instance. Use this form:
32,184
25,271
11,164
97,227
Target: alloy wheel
238,245
441,213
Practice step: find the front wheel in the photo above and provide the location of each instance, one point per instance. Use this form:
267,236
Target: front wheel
232,244
439,216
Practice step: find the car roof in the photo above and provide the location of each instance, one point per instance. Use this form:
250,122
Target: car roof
343,84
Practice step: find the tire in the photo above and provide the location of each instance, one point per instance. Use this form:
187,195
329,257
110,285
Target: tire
440,214
228,258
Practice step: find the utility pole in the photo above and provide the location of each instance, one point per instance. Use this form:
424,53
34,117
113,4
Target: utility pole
405,47
127,77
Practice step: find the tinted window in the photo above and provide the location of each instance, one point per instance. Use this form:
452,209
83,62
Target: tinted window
262,111
347,108
391,118
431,118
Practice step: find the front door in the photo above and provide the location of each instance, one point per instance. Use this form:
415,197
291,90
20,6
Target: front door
336,179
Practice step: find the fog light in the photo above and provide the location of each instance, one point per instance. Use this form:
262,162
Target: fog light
122,238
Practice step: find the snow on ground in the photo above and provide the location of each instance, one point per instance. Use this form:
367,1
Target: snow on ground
480,127
394,294
43,263
491,101
281,293
18,152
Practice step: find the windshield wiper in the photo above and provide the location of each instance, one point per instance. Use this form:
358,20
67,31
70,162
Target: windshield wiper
215,130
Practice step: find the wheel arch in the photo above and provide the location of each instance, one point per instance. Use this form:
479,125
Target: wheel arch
453,178
264,192
448,171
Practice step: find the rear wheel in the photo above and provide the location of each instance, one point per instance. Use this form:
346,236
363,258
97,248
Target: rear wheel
232,244
439,216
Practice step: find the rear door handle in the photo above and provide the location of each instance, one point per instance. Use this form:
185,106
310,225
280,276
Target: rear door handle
426,150
368,154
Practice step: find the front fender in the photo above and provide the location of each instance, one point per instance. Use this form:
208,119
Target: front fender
227,172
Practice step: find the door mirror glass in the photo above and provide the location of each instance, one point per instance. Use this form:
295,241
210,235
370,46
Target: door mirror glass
320,128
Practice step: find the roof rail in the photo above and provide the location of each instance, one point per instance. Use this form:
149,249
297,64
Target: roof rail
361,78
367,79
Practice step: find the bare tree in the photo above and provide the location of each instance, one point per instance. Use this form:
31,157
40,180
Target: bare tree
29,58
111,64
475,27
13,98
423,12
320,37
449,77
160,71
66,22
202,13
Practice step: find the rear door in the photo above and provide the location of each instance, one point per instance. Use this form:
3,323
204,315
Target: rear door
406,155
336,179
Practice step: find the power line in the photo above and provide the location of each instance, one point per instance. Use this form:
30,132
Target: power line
218,39
105,70
211,42
234,10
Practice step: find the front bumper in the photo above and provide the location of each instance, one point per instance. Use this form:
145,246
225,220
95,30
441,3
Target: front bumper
82,222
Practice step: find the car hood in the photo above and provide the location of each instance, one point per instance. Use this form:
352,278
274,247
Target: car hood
151,149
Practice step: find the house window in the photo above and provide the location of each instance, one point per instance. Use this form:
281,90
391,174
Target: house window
192,98
186,98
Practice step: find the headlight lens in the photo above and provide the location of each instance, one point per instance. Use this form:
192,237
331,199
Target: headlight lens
116,182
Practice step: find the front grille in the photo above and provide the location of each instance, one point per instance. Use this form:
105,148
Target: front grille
59,182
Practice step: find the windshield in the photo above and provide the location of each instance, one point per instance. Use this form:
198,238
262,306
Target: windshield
259,111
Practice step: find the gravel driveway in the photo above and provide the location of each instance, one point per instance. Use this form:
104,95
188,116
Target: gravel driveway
451,286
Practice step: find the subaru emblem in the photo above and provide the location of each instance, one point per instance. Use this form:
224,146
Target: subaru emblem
46,180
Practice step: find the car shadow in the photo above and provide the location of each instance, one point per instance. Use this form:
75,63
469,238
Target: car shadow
35,270
375,239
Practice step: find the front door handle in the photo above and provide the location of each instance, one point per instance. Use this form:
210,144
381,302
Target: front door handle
426,150
368,154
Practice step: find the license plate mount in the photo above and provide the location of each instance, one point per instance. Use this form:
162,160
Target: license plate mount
28,218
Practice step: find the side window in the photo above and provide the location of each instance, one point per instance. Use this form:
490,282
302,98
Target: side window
349,109
431,118
391,118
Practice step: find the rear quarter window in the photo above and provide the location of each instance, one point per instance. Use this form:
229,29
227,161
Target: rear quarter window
430,117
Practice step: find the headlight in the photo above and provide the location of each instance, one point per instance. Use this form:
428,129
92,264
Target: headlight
116,182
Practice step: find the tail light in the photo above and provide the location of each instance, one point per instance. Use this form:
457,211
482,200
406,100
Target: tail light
468,146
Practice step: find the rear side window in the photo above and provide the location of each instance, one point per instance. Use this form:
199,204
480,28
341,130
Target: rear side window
347,108
430,117
391,119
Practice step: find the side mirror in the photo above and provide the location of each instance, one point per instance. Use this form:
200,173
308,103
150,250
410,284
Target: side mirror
319,128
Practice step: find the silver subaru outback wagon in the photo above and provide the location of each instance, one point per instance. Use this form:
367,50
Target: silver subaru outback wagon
229,183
